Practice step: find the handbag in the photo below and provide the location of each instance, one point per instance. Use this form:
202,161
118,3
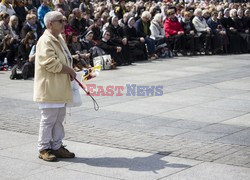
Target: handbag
105,61
76,97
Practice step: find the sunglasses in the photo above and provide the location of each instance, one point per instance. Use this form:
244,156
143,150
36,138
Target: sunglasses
60,21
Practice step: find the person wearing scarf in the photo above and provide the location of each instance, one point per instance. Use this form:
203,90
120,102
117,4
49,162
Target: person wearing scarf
110,48
118,39
6,7
190,33
136,43
231,28
219,38
243,30
31,25
203,31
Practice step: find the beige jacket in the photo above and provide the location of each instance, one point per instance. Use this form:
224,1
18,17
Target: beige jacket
50,85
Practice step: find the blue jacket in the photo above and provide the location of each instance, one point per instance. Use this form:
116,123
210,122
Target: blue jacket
42,10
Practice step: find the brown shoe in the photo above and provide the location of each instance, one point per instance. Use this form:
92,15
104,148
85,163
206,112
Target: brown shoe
47,155
62,152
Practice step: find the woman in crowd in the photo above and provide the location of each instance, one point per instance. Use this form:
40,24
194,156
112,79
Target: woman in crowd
118,39
31,25
8,50
77,52
158,34
96,29
174,32
14,27
219,38
203,31
191,37
24,62
243,30
6,7
112,49
21,12
136,43
4,26
231,29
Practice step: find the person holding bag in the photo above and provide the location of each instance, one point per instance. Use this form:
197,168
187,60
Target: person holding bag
52,87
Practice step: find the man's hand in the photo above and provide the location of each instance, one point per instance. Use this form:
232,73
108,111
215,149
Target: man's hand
69,71
72,74
142,39
124,41
118,49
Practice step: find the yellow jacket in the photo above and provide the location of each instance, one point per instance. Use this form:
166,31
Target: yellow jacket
50,85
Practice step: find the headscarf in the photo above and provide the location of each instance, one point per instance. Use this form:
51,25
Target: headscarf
129,20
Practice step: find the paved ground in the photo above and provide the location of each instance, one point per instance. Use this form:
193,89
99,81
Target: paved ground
198,129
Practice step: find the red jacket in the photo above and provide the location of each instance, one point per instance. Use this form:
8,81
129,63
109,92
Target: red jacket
172,27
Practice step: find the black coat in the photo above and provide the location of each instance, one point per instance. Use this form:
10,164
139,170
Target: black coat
26,28
23,52
188,26
130,33
78,25
140,29
227,23
116,34
97,34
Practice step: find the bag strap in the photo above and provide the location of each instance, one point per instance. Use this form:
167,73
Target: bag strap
103,62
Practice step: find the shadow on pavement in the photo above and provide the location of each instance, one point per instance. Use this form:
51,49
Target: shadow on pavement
151,163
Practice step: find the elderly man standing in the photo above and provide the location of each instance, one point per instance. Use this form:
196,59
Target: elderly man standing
52,88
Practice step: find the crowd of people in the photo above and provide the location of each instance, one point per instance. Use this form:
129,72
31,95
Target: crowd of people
127,30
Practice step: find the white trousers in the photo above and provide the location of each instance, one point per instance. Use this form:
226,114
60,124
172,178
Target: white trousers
51,131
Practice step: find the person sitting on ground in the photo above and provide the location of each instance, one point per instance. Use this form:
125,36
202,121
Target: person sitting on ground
8,50
231,28
243,30
6,7
77,52
158,34
118,39
20,10
24,63
78,23
110,48
4,26
191,37
14,27
175,33
96,29
203,31
142,27
136,43
219,39
31,25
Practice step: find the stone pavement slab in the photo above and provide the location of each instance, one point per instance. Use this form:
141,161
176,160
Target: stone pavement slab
239,121
241,138
94,162
203,116
211,171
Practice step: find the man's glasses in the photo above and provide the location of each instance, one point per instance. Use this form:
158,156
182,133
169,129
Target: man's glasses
60,21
